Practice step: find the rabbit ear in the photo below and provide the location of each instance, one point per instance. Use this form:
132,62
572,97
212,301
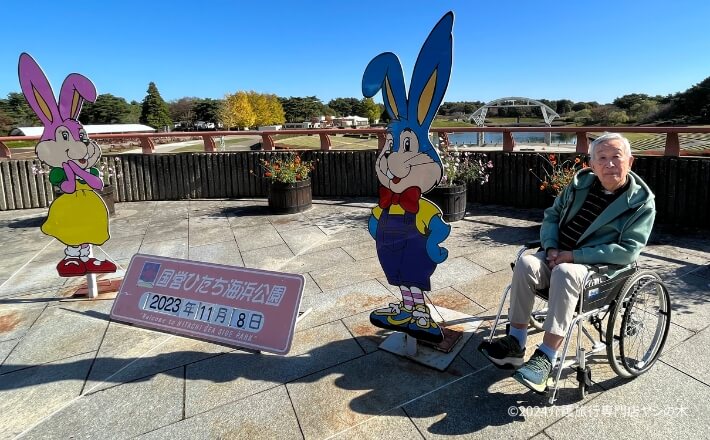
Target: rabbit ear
385,72
37,90
75,90
431,72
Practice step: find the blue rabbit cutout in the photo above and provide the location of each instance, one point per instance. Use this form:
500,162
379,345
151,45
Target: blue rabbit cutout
408,229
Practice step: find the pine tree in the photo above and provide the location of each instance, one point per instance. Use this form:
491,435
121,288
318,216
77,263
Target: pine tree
155,111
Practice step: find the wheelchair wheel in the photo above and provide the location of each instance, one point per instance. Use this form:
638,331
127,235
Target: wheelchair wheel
638,324
539,312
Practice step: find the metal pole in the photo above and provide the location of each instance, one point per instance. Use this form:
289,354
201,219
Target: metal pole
92,288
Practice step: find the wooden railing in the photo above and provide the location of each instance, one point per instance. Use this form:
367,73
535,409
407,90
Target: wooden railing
679,183
672,144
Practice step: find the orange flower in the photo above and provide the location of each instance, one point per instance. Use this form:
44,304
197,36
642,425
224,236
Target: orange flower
577,160
267,174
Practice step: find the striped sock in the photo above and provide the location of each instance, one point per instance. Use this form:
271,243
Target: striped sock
417,295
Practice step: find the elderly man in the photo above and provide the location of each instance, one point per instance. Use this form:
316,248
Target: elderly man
605,215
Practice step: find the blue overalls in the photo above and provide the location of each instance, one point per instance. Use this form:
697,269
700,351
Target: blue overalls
401,249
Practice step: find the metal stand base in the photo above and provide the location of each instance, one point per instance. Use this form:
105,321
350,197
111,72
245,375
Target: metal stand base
103,287
459,328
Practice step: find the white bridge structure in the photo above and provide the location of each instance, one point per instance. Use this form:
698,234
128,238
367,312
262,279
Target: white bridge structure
479,116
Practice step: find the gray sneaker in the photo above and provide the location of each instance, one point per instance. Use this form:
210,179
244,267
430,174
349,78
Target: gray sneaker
535,372
504,352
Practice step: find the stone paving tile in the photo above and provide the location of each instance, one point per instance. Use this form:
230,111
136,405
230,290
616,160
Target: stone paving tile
690,356
454,300
267,415
126,411
62,330
225,252
177,229
367,335
236,375
119,248
690,301
268,258
313,239
664,402
203,236
288,222
346,301
494,259
336,399
128,353
32,395
394,423
361,250
485,405
280,258
6,348
36,278
669,261
311,288
347,273
456,271
487,289
256,237
168,248
16,319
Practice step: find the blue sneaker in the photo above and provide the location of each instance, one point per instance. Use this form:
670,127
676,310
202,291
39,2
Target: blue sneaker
395,317
423,327
535,372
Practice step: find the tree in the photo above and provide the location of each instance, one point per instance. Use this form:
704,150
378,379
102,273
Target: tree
260,106
107,109
298,109
275,111
344,106
19,111
207,110
236,111
563,106
627,101
183,110
154,111
371,110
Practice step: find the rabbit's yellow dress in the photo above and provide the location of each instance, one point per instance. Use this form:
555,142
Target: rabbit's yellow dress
78,218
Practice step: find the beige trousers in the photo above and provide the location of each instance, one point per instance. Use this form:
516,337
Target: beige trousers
565,282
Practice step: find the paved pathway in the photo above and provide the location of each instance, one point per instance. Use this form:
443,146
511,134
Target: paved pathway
68,371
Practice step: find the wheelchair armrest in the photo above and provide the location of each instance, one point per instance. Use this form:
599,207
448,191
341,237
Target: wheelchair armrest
604,269
535,244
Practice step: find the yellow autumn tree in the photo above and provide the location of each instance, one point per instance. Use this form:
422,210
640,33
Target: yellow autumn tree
275,110
259,104
237,111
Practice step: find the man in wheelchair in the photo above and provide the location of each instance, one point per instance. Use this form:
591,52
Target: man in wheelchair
604,216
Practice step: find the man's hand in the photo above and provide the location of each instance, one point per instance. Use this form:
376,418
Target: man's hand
556,256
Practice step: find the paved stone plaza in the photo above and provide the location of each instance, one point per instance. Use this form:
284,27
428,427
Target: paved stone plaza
68,371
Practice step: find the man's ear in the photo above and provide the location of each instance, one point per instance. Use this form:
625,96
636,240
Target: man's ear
631,161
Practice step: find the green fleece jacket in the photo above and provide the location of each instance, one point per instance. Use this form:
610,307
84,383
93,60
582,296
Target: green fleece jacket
617,235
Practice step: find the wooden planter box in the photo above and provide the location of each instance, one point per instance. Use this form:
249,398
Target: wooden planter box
451,200
290,198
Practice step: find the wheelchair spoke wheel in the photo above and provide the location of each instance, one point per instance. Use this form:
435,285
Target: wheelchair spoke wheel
638,325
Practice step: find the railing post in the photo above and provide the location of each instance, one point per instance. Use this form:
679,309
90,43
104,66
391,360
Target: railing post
266,142
672,145
508,141
381,141
582,142
147,145
209,143
324,141
4,151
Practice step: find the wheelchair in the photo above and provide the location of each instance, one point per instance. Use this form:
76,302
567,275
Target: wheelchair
638,308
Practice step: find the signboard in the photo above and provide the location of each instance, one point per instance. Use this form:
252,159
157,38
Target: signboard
235,306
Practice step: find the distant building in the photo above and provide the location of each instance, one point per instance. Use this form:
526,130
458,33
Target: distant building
351,121
90,129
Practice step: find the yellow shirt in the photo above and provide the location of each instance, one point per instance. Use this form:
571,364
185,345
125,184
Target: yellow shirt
427,211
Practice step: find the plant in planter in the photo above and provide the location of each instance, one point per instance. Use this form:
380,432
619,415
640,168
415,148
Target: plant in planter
460,169
290,188
556,175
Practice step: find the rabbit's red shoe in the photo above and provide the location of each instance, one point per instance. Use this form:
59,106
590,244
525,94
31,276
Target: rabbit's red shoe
71,267
99,266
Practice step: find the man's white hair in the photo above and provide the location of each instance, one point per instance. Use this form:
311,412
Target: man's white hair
607,137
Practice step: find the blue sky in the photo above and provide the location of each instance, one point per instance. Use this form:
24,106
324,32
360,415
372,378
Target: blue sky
576,49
